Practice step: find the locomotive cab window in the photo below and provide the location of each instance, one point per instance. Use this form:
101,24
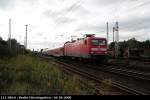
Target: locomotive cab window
98,42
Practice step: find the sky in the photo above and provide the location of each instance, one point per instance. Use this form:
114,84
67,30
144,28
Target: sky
53,22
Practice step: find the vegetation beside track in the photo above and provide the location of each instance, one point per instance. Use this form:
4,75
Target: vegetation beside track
28,75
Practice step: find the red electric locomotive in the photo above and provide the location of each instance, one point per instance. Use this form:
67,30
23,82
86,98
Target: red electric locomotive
90,47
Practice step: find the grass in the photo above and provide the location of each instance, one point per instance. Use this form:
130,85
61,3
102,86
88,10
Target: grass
28,75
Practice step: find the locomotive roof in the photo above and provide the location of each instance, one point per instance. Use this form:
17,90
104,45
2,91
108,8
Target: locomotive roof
98,38
78,39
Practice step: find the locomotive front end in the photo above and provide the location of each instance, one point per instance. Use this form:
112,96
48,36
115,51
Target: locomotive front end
98,48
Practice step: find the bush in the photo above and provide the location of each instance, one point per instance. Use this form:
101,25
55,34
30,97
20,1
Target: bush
25,75
147,52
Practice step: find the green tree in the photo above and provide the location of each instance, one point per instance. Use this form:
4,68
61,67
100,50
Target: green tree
133,43
111,45
1,39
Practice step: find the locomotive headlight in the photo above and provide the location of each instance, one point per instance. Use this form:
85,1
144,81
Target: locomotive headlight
94,49
92,52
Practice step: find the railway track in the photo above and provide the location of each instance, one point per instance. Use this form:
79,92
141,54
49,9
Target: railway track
72,71
90,76
141,59
130,61
125,89
123,71
142,75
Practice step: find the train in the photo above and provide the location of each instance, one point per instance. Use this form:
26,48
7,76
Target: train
89,47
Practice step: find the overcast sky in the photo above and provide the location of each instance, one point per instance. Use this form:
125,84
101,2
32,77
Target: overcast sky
52,22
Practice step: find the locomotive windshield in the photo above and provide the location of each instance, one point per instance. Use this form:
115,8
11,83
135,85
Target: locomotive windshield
98,42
